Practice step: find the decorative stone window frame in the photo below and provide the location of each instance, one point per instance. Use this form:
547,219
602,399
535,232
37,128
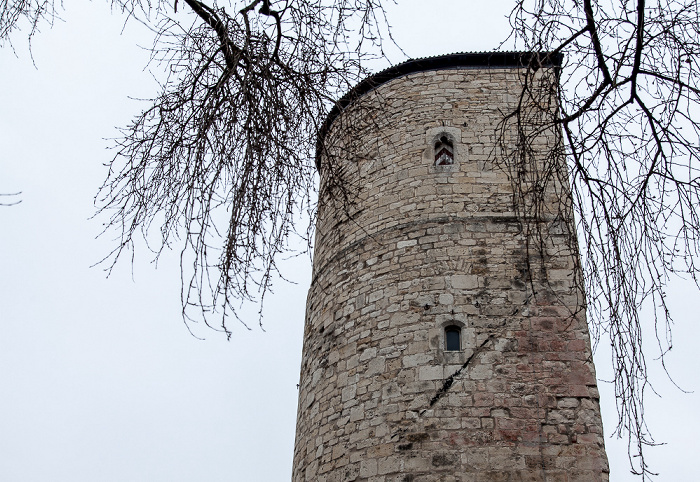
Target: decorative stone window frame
454,137
445,356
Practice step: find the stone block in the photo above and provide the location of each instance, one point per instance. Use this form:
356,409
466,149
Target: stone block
430,373
465,282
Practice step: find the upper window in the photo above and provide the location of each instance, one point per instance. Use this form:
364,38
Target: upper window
453,338
444,152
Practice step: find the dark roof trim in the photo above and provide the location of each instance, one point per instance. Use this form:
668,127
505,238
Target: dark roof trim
487,60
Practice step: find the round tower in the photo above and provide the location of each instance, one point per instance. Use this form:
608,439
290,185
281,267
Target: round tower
439,344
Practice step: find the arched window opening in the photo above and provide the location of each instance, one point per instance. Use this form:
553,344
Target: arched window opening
444,152
453,338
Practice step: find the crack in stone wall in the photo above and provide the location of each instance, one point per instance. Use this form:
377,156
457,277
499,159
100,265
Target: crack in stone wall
449,380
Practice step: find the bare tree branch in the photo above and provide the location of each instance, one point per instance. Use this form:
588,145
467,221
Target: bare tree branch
628,107
222,162
10,195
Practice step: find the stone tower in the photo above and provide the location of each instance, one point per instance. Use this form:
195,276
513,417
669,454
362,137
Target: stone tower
435,348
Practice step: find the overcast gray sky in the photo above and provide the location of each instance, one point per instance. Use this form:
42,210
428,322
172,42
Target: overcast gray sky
99,378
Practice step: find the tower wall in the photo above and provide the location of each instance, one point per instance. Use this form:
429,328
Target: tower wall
422,247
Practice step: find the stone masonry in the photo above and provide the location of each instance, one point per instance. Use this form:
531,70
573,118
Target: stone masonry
423,247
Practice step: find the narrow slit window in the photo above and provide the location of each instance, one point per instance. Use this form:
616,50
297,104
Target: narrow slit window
444,152
453,338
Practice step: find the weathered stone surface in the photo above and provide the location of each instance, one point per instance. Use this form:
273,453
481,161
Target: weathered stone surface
423,247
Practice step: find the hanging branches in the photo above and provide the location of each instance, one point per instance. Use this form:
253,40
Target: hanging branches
224,157
627,107
222,162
